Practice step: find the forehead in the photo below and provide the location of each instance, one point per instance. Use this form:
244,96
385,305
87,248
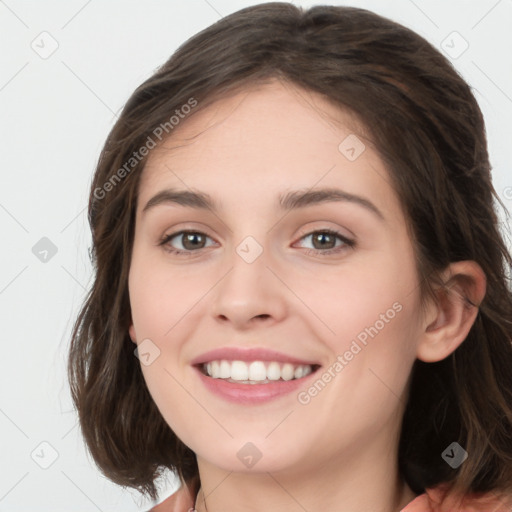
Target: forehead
277,109
273,135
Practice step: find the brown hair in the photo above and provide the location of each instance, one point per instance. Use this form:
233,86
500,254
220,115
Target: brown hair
428,129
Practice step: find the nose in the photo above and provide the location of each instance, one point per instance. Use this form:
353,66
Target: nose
250,293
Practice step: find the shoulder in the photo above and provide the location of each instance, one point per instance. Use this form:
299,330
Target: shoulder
182,500
438,499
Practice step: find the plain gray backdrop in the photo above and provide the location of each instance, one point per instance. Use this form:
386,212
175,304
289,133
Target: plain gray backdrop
66,69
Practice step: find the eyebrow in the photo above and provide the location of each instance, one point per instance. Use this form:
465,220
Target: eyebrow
290,201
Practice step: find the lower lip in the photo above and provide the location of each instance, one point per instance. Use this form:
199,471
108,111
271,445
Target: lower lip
252,393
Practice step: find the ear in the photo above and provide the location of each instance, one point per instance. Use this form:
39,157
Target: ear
131,331
448,322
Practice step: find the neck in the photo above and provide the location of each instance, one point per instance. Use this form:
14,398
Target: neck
357,482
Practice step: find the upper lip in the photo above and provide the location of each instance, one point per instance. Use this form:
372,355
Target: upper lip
248,354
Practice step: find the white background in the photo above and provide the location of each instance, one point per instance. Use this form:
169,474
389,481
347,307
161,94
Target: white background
55,114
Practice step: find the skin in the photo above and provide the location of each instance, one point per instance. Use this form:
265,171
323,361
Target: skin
338,452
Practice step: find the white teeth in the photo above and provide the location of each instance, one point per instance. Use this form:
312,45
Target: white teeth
274,371
256,371
239,371
225,370
287,371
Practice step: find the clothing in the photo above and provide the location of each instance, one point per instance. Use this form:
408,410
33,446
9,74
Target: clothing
183,500
482,502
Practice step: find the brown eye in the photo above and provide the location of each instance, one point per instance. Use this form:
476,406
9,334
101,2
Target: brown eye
324,242
190,241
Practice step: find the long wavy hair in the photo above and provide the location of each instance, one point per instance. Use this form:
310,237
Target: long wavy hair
427,127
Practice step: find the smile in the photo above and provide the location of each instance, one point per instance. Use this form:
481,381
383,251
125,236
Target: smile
246,383
256,372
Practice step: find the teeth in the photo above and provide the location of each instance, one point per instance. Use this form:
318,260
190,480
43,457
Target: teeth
239,371
256,371
274,371
225,370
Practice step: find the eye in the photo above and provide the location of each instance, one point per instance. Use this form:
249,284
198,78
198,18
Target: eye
193,241
190,240
324,240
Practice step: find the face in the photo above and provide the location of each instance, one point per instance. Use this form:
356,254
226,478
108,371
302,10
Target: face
330,282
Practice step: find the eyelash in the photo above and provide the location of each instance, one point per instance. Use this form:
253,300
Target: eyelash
348,243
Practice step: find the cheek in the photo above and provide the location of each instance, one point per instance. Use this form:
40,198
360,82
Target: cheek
160,308
374,297
368,315
165,306
160,297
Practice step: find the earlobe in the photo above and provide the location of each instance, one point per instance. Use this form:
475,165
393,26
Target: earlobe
133,336
454,313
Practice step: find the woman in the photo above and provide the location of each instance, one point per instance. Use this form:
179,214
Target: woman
370,374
